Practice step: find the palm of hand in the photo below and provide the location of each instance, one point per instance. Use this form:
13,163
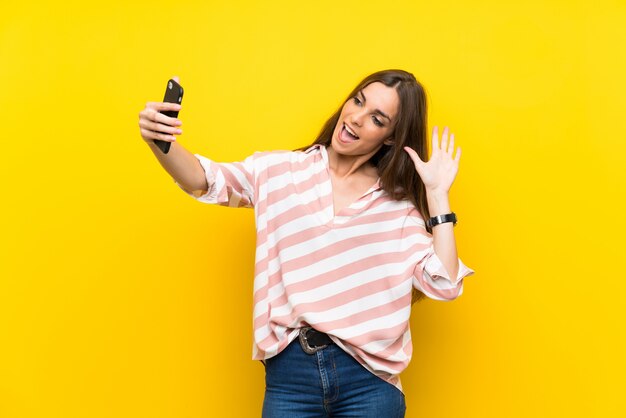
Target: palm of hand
439,172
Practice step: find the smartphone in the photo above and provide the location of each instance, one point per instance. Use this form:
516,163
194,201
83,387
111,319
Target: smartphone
173,94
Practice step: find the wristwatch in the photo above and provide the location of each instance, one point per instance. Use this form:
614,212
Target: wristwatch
440,219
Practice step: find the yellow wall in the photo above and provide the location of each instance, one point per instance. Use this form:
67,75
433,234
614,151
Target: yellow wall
120,296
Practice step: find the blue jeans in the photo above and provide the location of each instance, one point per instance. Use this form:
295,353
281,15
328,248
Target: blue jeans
329,383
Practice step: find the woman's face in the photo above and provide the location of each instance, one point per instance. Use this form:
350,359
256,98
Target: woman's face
366,121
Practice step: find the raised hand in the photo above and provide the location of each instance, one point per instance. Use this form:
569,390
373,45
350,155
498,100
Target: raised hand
155,125
439,172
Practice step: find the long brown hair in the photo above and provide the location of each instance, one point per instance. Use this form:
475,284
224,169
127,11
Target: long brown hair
395,168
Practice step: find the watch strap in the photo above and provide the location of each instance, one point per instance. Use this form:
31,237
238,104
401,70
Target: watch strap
440,219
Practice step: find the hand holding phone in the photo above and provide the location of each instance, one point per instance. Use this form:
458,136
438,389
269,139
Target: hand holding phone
173,94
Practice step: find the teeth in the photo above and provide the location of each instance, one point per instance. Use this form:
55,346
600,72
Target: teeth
350,130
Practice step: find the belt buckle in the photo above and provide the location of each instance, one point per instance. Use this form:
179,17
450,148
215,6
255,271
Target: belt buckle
304,342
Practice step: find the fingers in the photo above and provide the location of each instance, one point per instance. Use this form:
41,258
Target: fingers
159,127
444,139
458,154
152,112
163,106
416,158
445,146
155,125
176,79
148,134
451,145
164,119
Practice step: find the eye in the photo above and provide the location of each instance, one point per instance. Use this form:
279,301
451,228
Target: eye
356,100
377,122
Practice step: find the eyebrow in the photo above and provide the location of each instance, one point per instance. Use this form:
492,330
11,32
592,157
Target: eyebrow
380,112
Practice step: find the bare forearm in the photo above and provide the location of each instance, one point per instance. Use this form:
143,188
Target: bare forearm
182,165
443,234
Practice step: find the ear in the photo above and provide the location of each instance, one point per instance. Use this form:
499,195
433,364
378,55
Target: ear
388,141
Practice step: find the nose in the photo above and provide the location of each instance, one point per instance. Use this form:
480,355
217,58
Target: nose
357,117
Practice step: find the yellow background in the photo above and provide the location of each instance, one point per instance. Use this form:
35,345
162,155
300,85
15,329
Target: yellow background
120,296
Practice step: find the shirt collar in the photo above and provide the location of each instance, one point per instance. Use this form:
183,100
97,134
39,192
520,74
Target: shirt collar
314,146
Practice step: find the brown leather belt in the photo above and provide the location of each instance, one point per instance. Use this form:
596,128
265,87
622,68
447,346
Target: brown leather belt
312,340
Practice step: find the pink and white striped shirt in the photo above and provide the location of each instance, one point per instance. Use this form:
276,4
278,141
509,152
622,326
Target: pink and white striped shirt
349,275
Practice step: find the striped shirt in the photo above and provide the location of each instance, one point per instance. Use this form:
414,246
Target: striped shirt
350,275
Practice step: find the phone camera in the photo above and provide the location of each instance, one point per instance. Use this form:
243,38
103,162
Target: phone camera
169,85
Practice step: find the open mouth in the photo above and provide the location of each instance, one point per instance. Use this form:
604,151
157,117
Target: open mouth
348,133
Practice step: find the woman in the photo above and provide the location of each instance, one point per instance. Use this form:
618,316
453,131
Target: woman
342,245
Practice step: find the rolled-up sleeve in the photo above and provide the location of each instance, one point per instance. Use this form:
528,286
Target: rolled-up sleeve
431,278
230,184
